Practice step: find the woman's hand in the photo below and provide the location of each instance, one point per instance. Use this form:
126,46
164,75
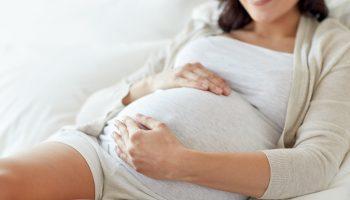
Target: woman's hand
191,75
154,152
157,153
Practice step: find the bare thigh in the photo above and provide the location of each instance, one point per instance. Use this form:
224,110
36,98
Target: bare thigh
49,171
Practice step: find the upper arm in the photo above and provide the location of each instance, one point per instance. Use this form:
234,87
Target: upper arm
323,139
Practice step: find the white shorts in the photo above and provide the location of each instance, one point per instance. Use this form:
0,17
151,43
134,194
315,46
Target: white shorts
111,177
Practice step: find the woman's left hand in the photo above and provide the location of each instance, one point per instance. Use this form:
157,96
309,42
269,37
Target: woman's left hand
154,152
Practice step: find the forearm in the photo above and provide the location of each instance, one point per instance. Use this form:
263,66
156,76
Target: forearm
244,173
138,90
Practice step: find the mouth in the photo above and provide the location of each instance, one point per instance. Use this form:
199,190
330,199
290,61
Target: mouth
259,2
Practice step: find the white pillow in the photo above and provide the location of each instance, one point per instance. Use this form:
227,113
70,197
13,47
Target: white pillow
54,54
340,9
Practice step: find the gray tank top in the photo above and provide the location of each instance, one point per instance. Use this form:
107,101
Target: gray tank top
250,119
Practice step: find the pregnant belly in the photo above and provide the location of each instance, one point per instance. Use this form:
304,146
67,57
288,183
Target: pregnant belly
208,122
201,121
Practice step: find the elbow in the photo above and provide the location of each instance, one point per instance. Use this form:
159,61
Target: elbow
320,169
301,173
327,167
329,171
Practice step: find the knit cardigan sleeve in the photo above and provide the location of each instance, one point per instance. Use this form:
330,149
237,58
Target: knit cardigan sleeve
323,139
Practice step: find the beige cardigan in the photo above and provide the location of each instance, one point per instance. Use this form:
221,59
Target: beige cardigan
316,134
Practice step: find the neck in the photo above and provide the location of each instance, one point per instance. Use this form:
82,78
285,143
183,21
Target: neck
285,26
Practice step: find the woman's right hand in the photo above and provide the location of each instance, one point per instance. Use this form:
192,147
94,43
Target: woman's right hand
191,75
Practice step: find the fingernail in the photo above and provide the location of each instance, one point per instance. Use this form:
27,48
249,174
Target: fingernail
117,150
219,90
228,91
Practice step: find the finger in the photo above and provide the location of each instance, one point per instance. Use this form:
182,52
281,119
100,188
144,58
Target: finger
131,125
214,78
148,122
122,155
193,77
215,89
221,83
207,86
119,151
184,82
120,142
122,131
189,75
215,84
200,78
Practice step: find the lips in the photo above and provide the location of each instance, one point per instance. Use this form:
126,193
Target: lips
259,2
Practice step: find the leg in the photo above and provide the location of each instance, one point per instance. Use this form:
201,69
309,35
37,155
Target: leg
50,171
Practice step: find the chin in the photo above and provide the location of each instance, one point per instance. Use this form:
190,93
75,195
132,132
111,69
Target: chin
268,11
264,18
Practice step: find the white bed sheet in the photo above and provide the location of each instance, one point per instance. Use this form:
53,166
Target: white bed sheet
55,53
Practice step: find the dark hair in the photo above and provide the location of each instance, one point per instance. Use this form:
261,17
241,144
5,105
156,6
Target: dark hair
234,16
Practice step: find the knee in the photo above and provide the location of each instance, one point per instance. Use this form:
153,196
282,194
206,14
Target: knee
9,183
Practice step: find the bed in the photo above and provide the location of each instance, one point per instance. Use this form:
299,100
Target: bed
55,54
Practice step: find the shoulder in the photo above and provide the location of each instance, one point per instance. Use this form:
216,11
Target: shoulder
332,32
331,43
332,27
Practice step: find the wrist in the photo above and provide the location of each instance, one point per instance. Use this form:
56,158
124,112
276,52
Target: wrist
138,90
148,83
185,162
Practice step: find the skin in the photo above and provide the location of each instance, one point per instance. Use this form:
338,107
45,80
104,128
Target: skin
274,26
148,151
193,75
56,171
49,171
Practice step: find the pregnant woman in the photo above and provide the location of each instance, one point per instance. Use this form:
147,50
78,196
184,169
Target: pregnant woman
252,103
